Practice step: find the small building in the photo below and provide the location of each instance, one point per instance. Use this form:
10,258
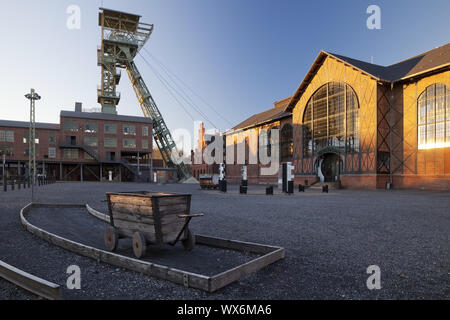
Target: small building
247,135
84,146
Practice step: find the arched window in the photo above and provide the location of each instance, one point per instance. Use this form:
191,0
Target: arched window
331,119
287,143
434,117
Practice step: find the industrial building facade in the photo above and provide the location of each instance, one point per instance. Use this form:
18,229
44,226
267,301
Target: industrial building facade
85,146
363,125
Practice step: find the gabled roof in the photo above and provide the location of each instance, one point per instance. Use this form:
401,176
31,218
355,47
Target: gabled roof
438,57
263,117
375,70
426,62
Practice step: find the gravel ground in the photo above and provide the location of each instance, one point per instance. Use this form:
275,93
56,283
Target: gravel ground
79,226
330,240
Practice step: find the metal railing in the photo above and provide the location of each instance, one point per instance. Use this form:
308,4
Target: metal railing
22,183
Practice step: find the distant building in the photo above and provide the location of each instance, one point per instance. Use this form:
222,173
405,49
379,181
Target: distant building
198,166
84,146
275,118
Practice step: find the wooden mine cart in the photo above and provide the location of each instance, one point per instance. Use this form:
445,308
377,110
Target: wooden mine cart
209,181
149,218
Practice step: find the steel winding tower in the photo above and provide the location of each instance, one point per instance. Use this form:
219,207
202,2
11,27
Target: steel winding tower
123,36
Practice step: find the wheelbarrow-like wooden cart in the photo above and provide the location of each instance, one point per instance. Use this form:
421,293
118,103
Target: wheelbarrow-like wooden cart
149,218
209,181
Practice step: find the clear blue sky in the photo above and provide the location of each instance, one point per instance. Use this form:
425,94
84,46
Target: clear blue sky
239,55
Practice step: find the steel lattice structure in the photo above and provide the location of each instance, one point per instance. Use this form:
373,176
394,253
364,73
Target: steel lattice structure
32,96
123,36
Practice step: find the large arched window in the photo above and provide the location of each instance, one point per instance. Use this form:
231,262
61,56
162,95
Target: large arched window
331,119
434,117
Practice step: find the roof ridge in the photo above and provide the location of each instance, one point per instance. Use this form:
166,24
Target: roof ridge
340,55
418,55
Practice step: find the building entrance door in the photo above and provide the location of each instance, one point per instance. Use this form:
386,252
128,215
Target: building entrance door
330,167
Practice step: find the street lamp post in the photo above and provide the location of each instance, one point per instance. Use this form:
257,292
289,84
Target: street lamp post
32,96
3,172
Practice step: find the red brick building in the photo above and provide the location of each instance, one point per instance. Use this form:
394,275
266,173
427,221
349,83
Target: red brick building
84,146
273,119
360,125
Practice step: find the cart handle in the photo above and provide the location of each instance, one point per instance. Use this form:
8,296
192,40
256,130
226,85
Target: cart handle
196,215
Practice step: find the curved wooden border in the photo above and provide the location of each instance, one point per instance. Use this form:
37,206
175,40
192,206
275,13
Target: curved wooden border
33,284
188,279
97,214
195,280
270,254
29,282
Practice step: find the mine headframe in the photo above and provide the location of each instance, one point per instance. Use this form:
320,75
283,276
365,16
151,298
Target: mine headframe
122,37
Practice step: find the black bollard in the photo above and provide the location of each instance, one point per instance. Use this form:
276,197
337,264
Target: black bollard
24,184
243,190
223,185
325,189
269,191
301,188
290,190
12,185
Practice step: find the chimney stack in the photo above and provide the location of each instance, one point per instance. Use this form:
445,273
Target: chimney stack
78,107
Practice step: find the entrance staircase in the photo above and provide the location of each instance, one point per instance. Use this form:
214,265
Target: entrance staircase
319,185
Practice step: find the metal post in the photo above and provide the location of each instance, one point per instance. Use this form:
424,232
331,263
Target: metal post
391,178
5,188
151,168
32,96
81,172
138,165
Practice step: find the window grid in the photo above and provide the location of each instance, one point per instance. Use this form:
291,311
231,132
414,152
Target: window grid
129,143
432,117
331,119
52,153
110,128
110,142
129,130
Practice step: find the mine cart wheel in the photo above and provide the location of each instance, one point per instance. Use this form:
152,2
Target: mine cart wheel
189,242
139,245
111,238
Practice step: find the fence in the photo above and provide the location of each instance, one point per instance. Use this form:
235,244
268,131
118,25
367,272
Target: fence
22,183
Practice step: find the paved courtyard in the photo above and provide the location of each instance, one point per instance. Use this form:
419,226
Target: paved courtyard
330,240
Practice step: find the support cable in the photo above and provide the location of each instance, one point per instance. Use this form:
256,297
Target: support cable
173,75
193,106
166,85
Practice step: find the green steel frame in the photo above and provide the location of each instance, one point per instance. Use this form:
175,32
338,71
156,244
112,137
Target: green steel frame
123,35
